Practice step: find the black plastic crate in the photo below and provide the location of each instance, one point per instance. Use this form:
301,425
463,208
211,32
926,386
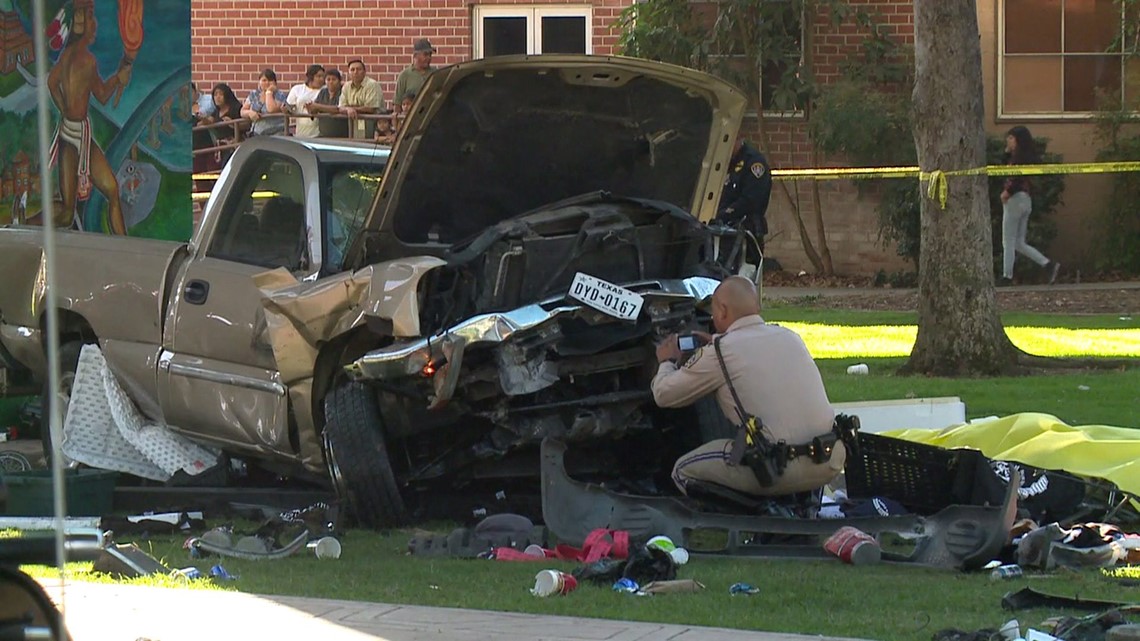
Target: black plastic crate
923,478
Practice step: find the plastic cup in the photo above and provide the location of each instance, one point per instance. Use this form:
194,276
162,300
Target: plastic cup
325,548
569,583
535,551
551,582
854,546
861,368
680,556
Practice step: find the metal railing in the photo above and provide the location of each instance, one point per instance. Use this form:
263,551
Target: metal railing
239,130
242,126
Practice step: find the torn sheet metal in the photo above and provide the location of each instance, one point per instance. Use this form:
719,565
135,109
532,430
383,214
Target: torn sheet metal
302,315
103,429
410,358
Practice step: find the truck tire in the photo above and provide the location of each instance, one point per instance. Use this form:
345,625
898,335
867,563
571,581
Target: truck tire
68,362
358,457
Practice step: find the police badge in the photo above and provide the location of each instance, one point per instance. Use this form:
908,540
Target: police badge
757,169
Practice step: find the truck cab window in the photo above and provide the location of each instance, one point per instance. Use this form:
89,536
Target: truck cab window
349,190
262,222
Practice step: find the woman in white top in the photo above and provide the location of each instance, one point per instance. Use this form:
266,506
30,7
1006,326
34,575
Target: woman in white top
299,98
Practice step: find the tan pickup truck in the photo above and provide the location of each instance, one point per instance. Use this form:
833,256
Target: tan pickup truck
394,322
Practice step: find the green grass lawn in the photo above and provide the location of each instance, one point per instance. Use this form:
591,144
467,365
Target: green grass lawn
888,602
882,340
885,602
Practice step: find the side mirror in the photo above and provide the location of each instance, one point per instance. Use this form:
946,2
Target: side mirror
26,612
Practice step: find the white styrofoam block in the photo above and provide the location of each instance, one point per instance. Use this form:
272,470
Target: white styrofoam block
911,413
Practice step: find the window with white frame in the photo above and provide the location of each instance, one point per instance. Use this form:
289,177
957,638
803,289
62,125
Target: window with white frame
522,29
1058,55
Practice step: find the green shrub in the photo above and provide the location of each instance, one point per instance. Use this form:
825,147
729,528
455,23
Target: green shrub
1119,219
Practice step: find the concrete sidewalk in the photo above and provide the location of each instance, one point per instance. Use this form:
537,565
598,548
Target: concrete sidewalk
103,612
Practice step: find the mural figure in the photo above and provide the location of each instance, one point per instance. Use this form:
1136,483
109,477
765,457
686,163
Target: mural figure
73,81
120,158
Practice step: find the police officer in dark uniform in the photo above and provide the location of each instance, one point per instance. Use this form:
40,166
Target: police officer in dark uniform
747,189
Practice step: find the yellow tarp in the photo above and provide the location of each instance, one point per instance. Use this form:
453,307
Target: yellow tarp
1041,440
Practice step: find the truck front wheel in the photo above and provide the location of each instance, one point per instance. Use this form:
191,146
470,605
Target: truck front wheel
357,457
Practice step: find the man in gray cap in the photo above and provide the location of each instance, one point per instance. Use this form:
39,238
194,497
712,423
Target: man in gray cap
412,79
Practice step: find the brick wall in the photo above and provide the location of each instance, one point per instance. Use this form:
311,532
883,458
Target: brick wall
233,40
850,216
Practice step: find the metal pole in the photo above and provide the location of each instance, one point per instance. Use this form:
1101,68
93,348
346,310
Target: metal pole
43,124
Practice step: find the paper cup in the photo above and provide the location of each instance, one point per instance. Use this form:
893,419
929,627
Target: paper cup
325,548
547,583
854,546
535,551
551,582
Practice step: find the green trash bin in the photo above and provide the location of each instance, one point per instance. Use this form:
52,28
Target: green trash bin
89,492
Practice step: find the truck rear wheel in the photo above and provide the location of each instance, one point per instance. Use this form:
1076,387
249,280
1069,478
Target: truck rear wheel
357,457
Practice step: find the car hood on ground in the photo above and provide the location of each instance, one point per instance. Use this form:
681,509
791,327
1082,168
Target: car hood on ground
491,139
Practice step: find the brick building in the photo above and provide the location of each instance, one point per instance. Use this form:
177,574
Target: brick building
1040,68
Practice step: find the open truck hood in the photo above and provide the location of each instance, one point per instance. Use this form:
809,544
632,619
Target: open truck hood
491,139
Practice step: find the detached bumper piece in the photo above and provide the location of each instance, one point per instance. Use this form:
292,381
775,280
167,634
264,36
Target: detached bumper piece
961,537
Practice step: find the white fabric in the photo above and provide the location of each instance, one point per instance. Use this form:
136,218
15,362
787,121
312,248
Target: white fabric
300,96
103,429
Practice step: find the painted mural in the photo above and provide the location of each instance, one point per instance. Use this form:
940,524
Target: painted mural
119,80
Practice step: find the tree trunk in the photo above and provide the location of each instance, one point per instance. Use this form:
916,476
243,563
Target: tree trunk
959,329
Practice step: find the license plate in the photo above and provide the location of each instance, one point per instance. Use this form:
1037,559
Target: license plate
611,299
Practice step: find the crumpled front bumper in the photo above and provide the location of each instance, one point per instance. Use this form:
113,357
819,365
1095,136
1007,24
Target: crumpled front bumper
412,358
962,537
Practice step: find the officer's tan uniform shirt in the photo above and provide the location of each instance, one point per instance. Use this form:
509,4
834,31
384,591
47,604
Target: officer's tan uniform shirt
777,381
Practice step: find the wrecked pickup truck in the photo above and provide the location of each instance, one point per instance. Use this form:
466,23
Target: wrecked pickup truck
390,323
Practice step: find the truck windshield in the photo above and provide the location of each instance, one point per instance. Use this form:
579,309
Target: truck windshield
349,190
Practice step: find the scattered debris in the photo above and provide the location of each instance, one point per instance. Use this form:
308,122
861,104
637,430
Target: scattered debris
1028,598
1006,572
126,560
679,586
552,582
743,588
854,546
219,572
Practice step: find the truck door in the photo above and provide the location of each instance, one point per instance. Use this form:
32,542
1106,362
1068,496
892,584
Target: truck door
218,378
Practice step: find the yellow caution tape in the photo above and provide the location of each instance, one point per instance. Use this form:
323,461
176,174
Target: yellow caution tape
937,185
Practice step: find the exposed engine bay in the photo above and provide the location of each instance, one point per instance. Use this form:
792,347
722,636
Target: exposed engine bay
512,358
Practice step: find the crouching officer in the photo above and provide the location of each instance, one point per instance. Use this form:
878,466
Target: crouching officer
763,377
747,190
